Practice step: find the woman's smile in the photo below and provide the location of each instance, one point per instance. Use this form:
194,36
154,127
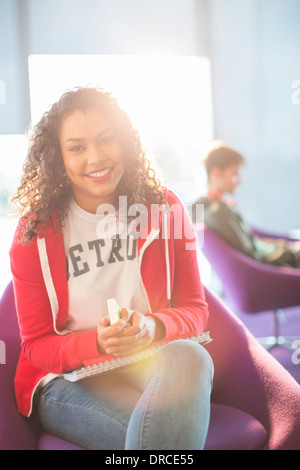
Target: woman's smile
100,175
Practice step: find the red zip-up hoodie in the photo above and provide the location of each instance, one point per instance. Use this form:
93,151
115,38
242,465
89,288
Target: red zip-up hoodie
169,273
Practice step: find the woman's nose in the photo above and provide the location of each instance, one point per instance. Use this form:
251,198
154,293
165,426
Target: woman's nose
96,154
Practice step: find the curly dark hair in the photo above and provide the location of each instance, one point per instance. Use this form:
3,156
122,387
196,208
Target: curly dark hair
45,189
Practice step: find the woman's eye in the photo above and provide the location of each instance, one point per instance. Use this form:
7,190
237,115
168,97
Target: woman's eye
77,148
108,140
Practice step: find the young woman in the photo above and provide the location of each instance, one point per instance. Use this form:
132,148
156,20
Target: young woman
84,157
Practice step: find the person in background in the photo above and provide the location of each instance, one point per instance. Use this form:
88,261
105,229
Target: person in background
223,165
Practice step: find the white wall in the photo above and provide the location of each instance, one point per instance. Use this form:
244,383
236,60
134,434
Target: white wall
14,93
255,50
112,26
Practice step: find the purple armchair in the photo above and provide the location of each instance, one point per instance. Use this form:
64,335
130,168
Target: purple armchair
249,285
255,402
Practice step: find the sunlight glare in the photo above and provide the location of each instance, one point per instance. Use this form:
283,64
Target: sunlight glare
168,99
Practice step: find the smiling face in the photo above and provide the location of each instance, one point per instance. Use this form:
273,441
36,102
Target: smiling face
93,158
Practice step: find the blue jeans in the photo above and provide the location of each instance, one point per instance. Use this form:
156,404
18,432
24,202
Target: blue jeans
163,404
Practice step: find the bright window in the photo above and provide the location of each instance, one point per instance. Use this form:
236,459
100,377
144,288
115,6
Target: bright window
168,98
13,152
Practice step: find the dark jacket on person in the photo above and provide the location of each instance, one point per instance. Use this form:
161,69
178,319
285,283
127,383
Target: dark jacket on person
232,228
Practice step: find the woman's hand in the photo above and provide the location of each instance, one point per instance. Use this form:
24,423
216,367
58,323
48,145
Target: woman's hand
106,331
134,332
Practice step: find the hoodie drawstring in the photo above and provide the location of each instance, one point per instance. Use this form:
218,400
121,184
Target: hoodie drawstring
165,215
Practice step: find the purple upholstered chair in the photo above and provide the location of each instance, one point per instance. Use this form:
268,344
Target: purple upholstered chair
249,285
255,402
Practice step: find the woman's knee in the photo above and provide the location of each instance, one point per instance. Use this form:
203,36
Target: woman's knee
189,355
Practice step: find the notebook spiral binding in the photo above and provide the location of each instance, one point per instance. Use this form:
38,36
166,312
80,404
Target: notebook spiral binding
89,371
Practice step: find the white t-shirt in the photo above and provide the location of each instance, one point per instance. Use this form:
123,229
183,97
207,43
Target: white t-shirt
99,269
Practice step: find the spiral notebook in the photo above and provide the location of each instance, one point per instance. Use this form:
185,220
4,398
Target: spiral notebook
91,367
